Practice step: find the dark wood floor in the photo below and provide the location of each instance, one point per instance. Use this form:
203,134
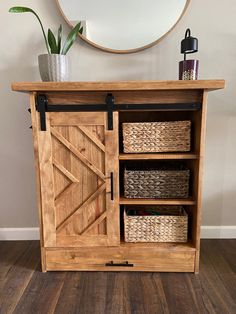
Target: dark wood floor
24,289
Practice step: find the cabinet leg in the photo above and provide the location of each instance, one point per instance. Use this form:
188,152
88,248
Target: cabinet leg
197,257
43,260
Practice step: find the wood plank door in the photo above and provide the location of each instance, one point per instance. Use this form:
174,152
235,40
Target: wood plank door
78,168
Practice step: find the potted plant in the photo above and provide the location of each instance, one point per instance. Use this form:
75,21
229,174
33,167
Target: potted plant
53,66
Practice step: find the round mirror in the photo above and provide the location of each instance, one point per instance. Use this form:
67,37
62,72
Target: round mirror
123,26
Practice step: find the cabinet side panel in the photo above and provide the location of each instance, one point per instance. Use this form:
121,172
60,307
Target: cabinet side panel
37,173
201,136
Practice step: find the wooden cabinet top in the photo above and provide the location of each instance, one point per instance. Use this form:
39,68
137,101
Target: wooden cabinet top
117,86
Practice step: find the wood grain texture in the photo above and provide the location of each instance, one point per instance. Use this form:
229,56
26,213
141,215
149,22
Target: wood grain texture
145,257
149,259
93,138
37,172
46,182
82,154
25,289
200,135
126,96
67,173
10,257
41,291
112,168
119,85
73,118
77,153
148,201
81,208
77,156
19,274
94,223
159,156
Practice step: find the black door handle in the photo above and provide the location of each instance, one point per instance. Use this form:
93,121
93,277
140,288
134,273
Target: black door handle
112,186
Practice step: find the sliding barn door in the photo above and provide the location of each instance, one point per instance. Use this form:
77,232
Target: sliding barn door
78,163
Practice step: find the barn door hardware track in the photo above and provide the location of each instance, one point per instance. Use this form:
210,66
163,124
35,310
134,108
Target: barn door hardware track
109,106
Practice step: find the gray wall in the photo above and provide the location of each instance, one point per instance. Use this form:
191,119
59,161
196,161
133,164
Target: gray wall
213,22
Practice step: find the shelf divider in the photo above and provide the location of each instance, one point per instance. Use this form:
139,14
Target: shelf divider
156,156
148,201
162,246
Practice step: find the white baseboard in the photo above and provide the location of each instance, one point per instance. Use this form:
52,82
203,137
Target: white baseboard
218,232
207,232
19,234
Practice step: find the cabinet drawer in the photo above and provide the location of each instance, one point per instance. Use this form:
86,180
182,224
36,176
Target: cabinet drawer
120,259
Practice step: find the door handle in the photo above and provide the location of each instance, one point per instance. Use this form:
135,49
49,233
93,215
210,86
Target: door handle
112,186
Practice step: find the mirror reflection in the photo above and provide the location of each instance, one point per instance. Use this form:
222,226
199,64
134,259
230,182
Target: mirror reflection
123,24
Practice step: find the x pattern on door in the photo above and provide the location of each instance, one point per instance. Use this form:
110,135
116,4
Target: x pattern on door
78,156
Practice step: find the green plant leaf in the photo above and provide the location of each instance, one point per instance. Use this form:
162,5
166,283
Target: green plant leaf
20,10
52,42
71,38
81,30
26,9
59,39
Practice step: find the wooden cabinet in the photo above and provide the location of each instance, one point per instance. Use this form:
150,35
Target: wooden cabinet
79,162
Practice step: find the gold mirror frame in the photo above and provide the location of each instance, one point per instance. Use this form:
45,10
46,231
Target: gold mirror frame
129,50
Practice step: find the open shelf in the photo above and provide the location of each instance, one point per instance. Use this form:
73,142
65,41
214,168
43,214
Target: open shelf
163,246
148,201
156,156
162,116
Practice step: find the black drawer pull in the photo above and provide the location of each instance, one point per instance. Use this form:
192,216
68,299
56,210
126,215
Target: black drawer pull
125,264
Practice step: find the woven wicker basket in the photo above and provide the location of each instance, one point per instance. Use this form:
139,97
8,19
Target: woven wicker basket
153,137
156,183
170,226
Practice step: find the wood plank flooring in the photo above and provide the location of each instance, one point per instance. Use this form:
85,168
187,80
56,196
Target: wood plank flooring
24,289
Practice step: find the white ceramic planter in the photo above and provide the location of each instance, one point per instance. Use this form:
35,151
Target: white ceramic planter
53,67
